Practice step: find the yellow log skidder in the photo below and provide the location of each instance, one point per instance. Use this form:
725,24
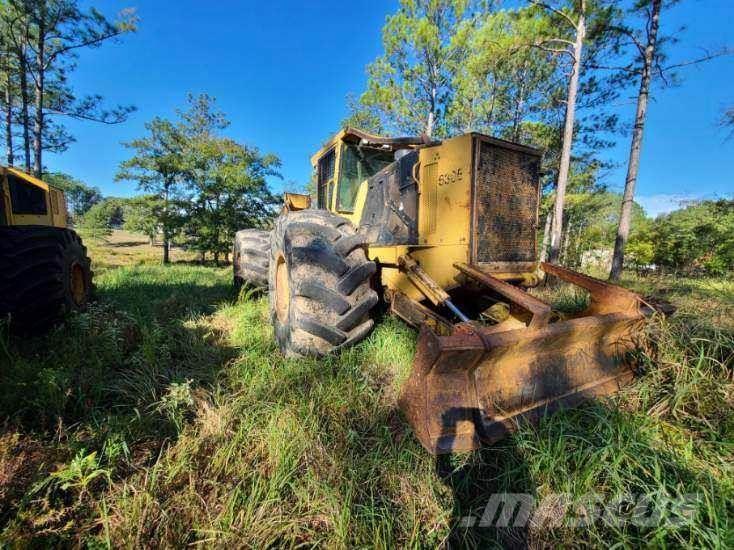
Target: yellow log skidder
44,268
443,233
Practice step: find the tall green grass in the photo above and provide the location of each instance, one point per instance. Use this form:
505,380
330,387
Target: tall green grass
165,416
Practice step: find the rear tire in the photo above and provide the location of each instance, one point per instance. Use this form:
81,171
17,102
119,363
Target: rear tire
319,281
44,274
251,257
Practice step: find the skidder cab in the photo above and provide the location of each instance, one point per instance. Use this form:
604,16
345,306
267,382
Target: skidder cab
444,235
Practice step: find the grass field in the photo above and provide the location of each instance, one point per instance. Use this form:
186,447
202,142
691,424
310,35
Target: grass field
165,417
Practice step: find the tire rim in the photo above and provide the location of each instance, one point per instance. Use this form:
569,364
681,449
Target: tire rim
282,289
78,286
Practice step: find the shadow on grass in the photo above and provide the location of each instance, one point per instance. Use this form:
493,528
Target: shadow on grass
138,323
205,263
125,244
473,483
589,476
111,387
168,300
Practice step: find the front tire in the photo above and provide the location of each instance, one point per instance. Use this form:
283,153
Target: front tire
319,282
44,274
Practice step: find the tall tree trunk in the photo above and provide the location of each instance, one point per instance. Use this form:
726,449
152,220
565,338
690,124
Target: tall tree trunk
24,101
565,165
490,114
431,122
40,74
24,117
566,242
166,235
633,167
519,107
9,120
546,236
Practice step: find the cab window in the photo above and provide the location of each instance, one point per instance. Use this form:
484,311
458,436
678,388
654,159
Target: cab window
26,198
325,176
358,164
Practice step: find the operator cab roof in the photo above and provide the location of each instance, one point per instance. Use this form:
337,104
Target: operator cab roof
356,136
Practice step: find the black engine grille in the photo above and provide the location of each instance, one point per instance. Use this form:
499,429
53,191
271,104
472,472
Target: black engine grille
506,202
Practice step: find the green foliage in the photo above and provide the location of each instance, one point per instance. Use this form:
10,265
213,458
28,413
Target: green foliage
591,218
698,238
227,181
410,85
79,196
640,253
177,403
202,184
77,476
99,220
41,41
142,214
501,80
158,168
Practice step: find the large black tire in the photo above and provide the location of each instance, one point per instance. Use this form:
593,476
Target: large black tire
44,274
251,257
319,282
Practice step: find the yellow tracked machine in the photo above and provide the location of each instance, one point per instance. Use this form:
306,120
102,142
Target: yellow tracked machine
444,235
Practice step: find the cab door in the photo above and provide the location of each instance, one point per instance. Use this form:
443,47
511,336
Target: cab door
325,174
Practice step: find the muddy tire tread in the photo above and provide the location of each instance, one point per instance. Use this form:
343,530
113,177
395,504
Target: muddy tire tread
325,256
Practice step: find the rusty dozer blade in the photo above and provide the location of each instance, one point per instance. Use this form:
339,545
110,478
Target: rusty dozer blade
478,383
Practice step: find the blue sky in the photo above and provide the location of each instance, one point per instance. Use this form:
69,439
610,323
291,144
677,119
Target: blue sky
281,71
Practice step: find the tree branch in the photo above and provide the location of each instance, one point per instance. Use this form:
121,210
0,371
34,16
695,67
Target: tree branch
91,42
562,40
632,36
707,57
627,69
81,116
540,46
548,7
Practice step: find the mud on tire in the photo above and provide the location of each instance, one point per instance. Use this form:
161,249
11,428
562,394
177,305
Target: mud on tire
44,274
319,283
251,257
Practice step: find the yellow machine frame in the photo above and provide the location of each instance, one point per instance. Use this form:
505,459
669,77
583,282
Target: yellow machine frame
444,216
